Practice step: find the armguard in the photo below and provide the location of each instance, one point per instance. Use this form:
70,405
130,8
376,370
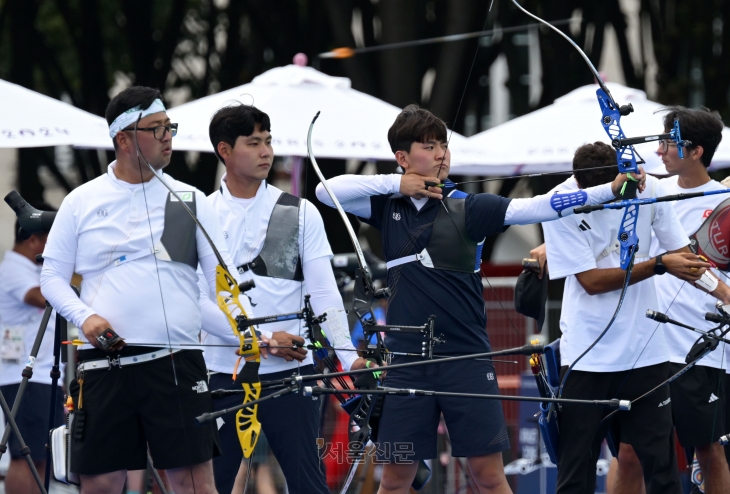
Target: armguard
570,200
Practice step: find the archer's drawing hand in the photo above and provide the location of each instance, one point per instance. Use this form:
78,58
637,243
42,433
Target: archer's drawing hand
93,326
414,185
685,265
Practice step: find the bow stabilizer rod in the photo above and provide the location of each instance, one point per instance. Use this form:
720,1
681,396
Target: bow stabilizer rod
647,200
613,403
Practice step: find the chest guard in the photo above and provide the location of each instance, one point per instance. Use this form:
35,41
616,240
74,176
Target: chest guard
178,241
279,257
449,246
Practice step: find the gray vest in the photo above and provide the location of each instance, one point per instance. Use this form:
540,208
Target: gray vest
179,233
279,257
449,246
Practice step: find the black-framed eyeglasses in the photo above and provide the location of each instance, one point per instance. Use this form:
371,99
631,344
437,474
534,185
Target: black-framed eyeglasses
665,143
159,131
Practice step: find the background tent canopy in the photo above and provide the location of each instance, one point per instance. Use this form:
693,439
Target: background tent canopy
31,119
546,139
351,124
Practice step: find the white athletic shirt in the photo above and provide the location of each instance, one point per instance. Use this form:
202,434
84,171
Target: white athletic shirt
573,246
244,223
19,322
678,299
354,192
106,218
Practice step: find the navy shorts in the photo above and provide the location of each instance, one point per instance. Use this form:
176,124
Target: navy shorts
290,424
408,425
32,418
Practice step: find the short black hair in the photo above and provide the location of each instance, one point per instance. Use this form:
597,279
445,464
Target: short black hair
129,98
232,121
702,127
415,124
592,156
21,235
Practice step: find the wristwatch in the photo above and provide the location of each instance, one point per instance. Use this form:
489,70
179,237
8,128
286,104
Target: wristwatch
659,267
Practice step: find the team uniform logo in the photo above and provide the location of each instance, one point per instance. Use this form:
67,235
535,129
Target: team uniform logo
396,216
201,387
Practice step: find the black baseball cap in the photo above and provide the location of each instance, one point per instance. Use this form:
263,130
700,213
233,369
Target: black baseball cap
531,295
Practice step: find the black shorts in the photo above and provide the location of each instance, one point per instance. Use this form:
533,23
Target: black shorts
408,426
32,417
647,427
698,405
128,409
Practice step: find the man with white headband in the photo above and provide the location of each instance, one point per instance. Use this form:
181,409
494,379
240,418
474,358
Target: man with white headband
137,250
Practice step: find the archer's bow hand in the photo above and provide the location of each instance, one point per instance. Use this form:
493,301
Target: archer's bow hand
618,184
414,185
686,266
287,346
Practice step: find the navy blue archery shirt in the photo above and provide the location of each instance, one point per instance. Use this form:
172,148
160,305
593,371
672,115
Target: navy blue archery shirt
417,292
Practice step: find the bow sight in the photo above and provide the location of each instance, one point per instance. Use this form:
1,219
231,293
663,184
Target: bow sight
674,134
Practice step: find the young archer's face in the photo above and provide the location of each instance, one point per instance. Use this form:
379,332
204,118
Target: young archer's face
251,157
431,158
669,153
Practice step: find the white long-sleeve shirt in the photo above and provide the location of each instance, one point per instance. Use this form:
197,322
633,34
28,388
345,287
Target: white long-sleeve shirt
147,300
245,222
354,191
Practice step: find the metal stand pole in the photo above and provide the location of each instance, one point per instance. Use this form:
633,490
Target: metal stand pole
27,373
55,376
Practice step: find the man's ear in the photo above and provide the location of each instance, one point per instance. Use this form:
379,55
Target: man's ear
124,142
401,158
697,152
224,150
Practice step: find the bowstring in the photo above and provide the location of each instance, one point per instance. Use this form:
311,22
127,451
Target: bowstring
456,117
140,156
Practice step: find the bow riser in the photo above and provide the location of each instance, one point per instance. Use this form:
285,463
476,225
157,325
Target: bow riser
627,235
626,159
611,122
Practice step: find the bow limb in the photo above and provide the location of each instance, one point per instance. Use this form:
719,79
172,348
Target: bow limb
227,298
365,291
353,237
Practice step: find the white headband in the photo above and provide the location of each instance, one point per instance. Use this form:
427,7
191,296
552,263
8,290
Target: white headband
130,116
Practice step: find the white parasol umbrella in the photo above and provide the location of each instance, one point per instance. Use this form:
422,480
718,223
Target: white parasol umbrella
30,119
546,139
352,125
